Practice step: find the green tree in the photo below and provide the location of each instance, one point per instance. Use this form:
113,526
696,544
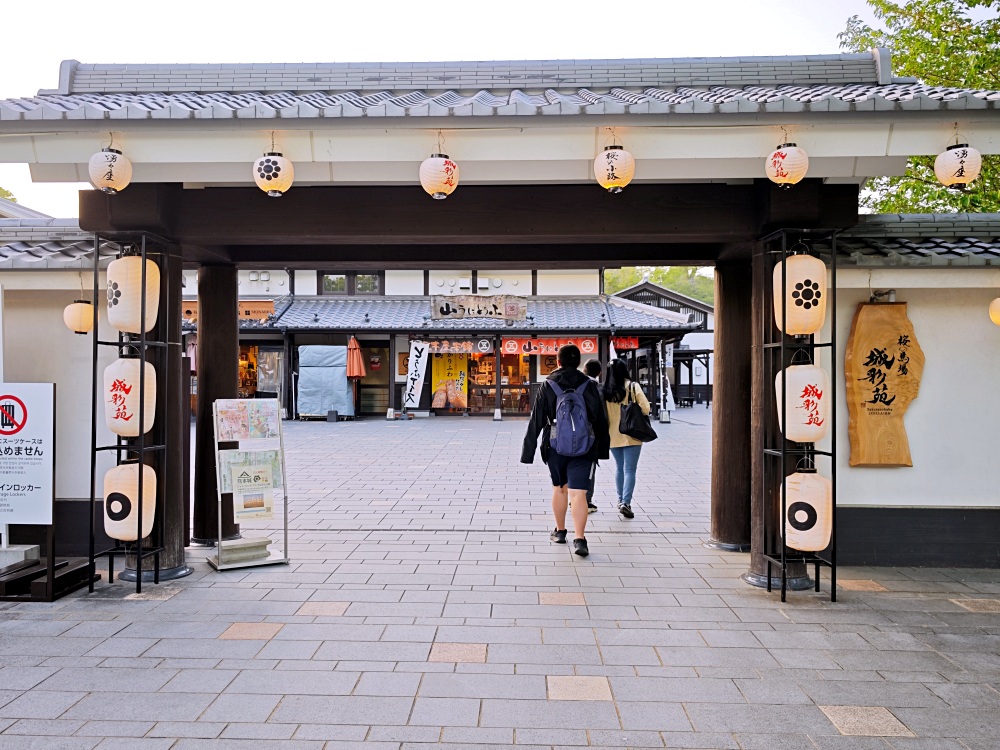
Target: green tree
690,281
954,43
6,194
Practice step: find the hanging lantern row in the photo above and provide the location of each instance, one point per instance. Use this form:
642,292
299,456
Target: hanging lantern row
121,502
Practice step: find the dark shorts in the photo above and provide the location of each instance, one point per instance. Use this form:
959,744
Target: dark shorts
570,470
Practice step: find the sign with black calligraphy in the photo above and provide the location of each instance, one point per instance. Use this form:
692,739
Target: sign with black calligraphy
883,367
497,307
27,450
416,369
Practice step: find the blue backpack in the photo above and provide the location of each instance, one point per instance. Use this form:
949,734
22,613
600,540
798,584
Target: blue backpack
572,433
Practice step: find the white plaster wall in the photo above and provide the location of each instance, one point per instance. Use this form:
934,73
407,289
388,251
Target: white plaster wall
586,281
38,348
251,284
511,282
448,282
954,423
404,282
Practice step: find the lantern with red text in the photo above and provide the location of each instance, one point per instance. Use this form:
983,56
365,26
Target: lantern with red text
787,165
958,165
439,176
121,502
110,170
79,316
803,294
125,294
614,168
121,396
806,416
808,511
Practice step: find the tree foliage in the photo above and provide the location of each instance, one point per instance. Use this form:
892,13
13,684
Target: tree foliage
685,280
6,194
951,43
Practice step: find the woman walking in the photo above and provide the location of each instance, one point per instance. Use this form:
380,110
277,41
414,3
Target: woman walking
618,388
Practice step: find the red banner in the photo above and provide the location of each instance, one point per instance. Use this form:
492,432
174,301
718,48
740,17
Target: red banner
587,344
622,343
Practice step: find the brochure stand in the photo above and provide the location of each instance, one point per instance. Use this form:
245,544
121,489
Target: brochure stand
250,466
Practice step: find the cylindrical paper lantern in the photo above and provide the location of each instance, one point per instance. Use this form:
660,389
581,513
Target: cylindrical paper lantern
805,293
995,311
273,174
808,511
958,165
121,502
439,176
614,168
110,170
787,164
121,397
806,418
79,316
125,294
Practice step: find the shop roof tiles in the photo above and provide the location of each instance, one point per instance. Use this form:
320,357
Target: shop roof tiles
820,83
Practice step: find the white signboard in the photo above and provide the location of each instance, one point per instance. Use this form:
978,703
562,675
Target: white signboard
253,491
415,374
27,452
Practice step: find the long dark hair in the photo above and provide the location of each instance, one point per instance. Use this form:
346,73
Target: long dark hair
614,383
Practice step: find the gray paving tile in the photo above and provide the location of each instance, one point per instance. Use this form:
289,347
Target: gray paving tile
439,712
344,710
288,682
538,714
126,707
41,705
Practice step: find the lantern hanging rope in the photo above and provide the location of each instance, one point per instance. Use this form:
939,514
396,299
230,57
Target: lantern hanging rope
109,169
439,174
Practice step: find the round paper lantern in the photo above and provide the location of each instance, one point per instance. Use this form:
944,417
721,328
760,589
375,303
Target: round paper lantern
995,311
273,174
121,396
805,294
439,176
614,168
808,511
958,165
125,294
121,502
79,316
807,416
110,170
787,164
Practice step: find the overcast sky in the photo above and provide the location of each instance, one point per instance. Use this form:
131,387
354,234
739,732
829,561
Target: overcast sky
38,35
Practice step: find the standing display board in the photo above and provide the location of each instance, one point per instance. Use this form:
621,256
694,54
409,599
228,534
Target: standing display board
251,468
27,452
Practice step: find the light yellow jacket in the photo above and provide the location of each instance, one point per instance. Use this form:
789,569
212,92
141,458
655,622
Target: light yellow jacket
615,414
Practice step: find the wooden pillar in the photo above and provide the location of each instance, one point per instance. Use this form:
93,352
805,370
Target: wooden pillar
731,415
764,432
218,377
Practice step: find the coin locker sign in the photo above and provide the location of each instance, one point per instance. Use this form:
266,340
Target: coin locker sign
27,452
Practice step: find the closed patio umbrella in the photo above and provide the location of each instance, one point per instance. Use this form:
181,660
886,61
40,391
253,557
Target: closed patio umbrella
355,367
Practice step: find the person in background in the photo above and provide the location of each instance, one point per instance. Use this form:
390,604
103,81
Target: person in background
617,389
570,473
592,369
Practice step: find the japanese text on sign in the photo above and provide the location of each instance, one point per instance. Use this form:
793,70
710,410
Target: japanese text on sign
27,439
498,307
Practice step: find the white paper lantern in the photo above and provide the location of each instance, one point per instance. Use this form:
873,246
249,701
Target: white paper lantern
439,176
125,294
995,311
807,416
808,511
805,293
110,170
79,316
121,502
121,396
958,165
787,164
273,174
614,168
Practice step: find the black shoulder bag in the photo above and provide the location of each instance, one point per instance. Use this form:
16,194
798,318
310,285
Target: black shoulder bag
633,422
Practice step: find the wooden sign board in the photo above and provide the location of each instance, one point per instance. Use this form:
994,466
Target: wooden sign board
883,367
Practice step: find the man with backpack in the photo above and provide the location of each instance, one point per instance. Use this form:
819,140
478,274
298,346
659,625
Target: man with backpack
570,415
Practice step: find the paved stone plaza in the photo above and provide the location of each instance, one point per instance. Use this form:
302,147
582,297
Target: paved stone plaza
425,607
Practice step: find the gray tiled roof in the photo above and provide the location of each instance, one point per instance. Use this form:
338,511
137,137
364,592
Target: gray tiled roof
591,313
54,243
11,210
624,99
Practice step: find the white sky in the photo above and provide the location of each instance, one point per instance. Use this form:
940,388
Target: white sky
39,35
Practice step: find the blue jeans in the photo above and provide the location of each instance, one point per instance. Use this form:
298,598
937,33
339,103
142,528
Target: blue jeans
626,459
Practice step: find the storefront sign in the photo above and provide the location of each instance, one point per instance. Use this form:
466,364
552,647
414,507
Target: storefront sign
624,343
27,448
498,307
883,367
253,491
588,345
482,345
249,309
450,381
416,369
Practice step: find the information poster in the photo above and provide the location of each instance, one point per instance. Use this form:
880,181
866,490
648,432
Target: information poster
229,459
27,449
450,380
241,419
253,491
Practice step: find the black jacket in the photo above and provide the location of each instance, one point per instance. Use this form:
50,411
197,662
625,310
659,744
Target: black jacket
543,411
